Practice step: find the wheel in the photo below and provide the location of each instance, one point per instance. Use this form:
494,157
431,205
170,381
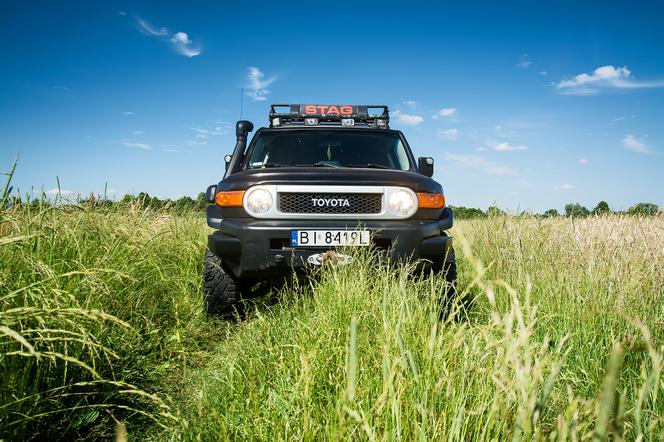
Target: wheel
447,266
450,273
221,292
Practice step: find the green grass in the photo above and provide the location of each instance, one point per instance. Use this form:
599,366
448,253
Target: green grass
102,330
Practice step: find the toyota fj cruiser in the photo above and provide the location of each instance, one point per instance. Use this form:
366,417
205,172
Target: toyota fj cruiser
320,179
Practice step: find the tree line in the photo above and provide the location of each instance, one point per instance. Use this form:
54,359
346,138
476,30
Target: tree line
144,200
572,210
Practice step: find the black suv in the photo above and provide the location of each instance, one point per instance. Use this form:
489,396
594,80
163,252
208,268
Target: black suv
321,178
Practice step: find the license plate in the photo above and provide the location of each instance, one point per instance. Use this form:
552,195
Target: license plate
317,238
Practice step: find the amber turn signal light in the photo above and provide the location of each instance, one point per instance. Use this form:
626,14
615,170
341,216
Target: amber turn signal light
430,200
232,198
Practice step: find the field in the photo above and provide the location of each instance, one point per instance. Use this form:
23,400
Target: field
102,334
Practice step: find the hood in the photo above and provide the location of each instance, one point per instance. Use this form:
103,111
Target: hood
330,176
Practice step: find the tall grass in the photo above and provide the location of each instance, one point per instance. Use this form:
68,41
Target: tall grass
101,327
564,341
96,311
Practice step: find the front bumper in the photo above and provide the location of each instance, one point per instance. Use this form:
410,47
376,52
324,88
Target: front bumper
261,248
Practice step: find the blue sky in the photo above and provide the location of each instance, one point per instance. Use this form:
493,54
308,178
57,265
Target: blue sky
528,105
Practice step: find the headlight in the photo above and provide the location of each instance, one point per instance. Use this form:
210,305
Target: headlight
402,203
258,201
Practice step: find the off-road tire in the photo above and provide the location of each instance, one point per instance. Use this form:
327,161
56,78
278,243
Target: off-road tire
448,268
221,292
450,272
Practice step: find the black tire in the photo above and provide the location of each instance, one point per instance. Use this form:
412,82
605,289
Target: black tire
450,273
221,292
448,268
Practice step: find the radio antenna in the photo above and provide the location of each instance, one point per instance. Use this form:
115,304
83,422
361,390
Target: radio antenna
241,101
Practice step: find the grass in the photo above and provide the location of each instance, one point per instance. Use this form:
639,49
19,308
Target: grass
102,332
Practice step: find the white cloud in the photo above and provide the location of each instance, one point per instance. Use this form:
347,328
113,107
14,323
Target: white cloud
407,119
147,29
626,117
635,144
122,13
128,113
523,61
136,145
200,130
603,78
203,133
411,103
450,134
543,73
257,86
564,187
179,40
176,150
137,132
505,146
481,163
183,45
444,112
583,161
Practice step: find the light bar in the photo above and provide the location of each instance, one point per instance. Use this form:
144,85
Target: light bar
360,115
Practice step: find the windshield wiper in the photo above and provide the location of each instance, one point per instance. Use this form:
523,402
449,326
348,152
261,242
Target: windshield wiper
266,165
321,164
370,166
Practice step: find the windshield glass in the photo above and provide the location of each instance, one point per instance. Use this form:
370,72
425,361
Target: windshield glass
328,148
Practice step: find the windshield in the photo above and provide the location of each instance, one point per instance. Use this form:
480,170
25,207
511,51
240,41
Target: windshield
328,148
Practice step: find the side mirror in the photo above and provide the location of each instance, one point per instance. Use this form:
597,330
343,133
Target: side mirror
227,160
425,166
210,193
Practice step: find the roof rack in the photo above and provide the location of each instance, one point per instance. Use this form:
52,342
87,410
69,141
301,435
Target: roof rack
282,115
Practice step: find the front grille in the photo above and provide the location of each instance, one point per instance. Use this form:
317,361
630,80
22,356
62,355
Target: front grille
334,203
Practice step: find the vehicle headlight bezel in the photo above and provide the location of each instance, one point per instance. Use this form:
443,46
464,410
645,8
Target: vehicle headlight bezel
258,201
402,203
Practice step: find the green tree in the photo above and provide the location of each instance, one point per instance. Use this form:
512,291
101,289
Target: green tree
551,213
495,211
143,199
576,210
201,201
185,203
467,212
601,208
155,203
127,199
643,209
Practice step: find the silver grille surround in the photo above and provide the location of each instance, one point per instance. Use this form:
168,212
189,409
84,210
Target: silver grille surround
384,191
